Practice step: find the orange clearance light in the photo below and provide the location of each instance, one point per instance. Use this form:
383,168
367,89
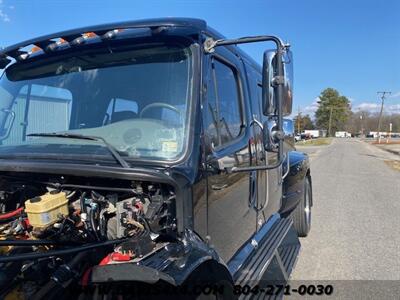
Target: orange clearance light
62,41
88,35
36,49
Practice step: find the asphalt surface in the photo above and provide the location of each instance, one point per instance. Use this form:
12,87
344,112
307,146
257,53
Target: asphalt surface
355,233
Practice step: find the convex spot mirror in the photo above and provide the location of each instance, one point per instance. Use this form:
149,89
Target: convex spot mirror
270,71
288,129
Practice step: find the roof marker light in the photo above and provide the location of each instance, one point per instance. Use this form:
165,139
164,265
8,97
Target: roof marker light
83,38
56,44
23,56
35,49
61,41
88,35
112,33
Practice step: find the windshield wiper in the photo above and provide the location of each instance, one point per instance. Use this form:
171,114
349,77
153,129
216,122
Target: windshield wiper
113,151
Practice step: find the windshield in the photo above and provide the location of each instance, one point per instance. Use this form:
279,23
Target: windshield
136,99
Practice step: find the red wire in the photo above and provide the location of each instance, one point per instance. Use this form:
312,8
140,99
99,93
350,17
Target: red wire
11,214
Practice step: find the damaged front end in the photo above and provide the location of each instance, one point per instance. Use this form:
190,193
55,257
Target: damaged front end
96,171
67,237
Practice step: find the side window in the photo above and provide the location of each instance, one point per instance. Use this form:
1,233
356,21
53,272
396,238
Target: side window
121,109
224,113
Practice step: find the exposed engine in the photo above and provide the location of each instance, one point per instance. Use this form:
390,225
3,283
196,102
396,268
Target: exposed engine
54,232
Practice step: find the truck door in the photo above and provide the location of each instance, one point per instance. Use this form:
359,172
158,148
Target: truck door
231,217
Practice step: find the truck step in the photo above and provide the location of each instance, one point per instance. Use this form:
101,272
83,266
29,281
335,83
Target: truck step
289,256
273,260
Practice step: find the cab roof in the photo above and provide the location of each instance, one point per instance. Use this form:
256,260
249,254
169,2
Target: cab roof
48,43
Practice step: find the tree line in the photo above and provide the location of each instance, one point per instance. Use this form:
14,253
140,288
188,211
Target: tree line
334,113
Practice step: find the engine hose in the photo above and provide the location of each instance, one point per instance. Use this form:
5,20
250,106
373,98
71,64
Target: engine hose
70,195
82,202
97,197
26,242
35,243
146,224
91,187
11,214
102,223
77,249
91,221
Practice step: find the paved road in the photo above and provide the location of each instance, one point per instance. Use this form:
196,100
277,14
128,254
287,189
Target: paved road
355,232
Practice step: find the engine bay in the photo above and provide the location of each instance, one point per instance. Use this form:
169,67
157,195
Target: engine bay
53,231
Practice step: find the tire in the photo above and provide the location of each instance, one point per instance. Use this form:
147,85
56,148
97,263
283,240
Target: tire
302,214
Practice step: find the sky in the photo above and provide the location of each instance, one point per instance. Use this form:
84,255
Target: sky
350,45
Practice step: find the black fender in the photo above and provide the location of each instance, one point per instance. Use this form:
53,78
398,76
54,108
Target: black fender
174,264
293,184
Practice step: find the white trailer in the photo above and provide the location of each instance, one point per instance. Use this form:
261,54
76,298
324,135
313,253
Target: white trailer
342,134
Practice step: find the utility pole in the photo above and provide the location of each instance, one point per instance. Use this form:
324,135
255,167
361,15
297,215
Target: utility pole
330,120
383,97
331,108
298,121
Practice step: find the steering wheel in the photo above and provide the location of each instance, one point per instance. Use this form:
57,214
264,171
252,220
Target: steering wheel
160,104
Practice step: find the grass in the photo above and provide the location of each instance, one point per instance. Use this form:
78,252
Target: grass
394,164
383,142
315,142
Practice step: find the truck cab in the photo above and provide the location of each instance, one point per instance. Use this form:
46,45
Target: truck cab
151,153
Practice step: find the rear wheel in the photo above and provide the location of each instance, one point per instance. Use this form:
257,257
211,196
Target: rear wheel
302,214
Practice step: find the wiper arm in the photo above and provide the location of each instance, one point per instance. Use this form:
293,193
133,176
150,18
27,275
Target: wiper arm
111,148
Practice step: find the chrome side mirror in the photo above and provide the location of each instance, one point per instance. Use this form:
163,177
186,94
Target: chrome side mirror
269,105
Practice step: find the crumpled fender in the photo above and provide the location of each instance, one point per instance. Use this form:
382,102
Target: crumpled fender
172,264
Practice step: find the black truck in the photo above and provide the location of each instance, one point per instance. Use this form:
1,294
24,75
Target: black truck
146,158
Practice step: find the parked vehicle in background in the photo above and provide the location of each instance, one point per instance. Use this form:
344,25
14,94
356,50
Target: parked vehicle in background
305,136
161,157
342,134
315,133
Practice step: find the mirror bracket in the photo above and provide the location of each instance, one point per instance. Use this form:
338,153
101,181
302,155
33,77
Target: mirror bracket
278,80
209,45
278,135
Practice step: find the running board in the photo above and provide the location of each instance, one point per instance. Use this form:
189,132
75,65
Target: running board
273,259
